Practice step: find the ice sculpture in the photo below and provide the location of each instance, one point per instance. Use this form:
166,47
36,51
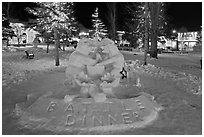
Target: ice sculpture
95,66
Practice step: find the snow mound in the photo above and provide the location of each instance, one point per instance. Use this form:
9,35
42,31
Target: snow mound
190,82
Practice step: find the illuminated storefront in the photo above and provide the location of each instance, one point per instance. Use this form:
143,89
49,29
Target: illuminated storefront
187,40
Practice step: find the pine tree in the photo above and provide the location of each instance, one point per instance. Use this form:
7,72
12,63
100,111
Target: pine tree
155,17
98,26
136,22
54,17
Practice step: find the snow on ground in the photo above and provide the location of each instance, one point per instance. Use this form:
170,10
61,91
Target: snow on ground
182,116
189,63
16,68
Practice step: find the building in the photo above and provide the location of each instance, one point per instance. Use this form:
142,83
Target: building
27,36
187,40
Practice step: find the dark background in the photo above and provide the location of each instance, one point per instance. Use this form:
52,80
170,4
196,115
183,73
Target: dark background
179,14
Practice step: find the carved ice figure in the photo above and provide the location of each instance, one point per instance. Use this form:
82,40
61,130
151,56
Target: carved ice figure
81,70
114,59
113,62
94,71
132,74
106,41
91,90
78,60
95,66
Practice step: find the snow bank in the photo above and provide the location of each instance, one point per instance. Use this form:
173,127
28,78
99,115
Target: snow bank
190,82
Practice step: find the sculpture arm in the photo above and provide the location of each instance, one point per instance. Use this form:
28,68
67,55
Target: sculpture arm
113,59
92,62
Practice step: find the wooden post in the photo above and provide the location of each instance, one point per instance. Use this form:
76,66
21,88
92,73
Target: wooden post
48,47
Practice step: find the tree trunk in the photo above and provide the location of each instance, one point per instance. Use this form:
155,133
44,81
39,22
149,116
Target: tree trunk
112,19
56,47
154,11
48,48
146,41
153,50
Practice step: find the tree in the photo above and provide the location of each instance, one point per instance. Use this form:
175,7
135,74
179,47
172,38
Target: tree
155,18
99,28
137,19
154,8
54,16
146,45
139,23
18,29
6,9
7,31
48,38
47,34
111,17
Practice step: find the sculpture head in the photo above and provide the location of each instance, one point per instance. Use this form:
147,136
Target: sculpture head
106,41
85,46
110,49
95,46
106,48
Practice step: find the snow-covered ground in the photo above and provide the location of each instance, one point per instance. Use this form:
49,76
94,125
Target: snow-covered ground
189,63
183,109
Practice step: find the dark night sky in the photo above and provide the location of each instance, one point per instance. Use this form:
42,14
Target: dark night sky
187,14
180,14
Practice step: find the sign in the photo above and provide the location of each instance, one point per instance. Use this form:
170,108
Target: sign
86,114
